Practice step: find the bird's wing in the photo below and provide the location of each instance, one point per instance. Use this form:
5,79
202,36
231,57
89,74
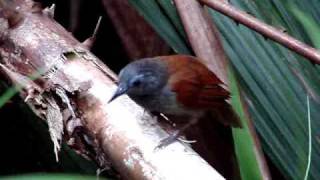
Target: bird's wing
195,85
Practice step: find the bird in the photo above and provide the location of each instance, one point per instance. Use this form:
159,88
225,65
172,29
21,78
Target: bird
179,86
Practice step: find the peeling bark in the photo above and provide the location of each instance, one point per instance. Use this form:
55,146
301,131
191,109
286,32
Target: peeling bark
73,85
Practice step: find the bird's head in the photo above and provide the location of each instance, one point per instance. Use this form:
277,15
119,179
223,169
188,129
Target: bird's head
141,78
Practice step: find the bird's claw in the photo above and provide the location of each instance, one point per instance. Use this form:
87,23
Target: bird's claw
187,141
168,140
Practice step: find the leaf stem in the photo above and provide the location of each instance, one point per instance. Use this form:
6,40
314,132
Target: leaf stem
310,141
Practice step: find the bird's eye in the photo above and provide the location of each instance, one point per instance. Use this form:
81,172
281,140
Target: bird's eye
136,83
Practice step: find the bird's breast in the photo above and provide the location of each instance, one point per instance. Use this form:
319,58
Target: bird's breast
163,101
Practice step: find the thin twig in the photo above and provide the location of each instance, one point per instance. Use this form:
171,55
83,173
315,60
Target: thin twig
94,35
89,42
310,141
266,30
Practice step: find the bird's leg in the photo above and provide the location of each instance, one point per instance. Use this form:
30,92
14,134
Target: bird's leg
174,136
167,119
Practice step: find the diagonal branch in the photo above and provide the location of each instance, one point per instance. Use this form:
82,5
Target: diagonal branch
268,31
120,132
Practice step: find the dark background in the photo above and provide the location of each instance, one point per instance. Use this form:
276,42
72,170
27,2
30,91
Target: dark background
25,142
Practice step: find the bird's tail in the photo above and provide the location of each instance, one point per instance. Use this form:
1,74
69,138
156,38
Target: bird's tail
227,116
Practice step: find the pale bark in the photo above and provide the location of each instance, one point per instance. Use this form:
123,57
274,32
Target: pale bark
74,84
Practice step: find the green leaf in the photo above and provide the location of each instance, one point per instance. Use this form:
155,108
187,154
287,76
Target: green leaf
276,97
244,150
171,11
10,92
243,141
266,72
7,95
311,27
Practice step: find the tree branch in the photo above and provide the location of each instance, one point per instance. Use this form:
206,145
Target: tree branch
120,132
266,30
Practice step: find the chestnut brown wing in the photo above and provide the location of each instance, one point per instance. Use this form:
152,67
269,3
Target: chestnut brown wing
197,87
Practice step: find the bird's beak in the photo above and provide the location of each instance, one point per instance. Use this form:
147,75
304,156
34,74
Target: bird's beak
122,89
